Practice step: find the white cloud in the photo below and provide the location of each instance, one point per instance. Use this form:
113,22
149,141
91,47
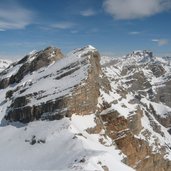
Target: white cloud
63,25
74,31
160,42
88,12
13,16
134,9
134,32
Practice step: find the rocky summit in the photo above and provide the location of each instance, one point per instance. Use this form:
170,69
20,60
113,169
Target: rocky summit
83,111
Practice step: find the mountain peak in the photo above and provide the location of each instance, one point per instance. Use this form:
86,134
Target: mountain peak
29,64
80,52
87,48
138,57
141,53
90,47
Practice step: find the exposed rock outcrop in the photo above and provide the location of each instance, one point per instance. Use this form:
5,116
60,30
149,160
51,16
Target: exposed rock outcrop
140,134
164,93
29,64
139,154
82,99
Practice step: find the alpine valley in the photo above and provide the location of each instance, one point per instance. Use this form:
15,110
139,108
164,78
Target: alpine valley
85,112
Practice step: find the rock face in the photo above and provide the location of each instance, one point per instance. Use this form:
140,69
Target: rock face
139,153
81,97
143,81
84,98
29,64
129,100
164,93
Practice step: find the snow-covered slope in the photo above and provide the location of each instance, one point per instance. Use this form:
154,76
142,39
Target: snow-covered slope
57,145
30,92
4,64
141,82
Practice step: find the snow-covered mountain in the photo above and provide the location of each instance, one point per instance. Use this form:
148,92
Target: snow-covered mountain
4,64
141,83
83,112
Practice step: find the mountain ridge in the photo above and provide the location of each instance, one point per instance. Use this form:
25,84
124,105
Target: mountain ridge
96,114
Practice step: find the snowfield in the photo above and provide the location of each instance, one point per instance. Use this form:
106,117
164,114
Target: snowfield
57,145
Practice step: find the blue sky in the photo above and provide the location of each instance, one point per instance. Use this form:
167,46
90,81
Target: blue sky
114,27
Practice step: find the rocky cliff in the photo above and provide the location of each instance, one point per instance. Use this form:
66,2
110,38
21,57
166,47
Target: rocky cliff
71,85
86,112
140,82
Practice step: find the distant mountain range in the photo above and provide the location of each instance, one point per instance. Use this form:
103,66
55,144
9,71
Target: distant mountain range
4,64
86,112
